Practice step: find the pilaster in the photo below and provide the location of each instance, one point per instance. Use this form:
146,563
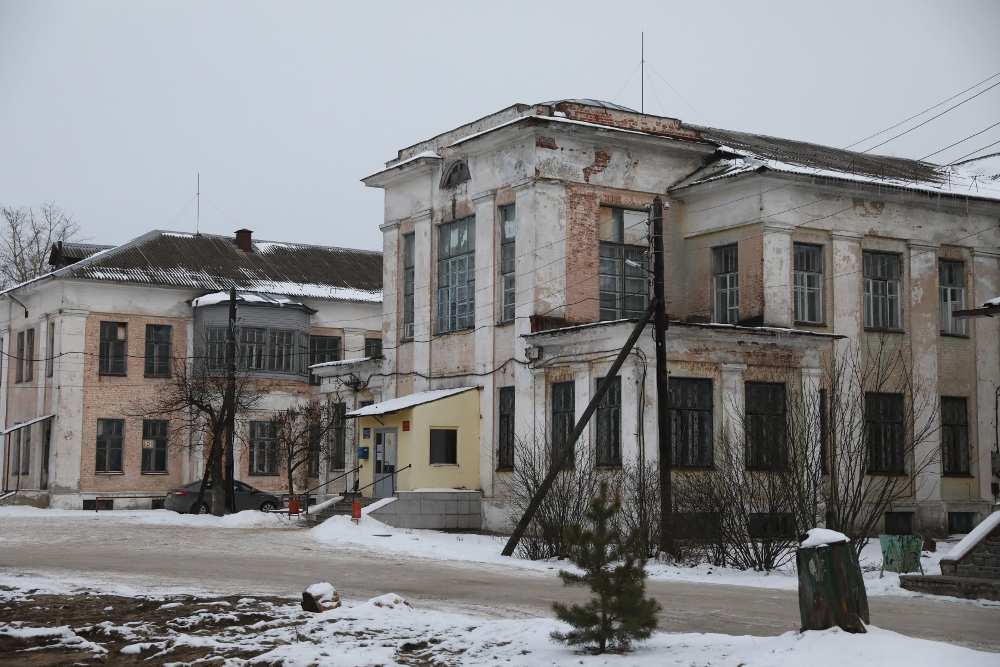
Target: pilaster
777,275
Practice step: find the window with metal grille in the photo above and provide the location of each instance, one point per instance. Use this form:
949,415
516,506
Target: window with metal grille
691,423
563,414
408,284
623,270
457,275
772,525
19,377
954,436
444,446
951,280
505,429
315,451
263,448
883,305
373,348
110,437
961,522
338,460
609,425
154,445
158,350
726,284
253,348
508,234
885,431
215,348
321,350
29,356
899,523
114,336
765,426
808,277
50,350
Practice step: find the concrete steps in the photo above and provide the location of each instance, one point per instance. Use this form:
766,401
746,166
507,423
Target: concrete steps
341,508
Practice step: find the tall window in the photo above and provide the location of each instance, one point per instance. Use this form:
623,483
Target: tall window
954,436
505,430
110,436
408,284
691,424
158,350
253,348
112,354
315,451
25,463
885,430
215,347
29,356
765,426
19,377
951,278
154,445
444,446
263,448
609,425
508,263
339,459
457,275
883,306
50,350
321,350
623,275
726,282
373,348
284,357
808,277
563,412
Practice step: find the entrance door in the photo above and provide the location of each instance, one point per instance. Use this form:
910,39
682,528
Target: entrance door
46,452
385,462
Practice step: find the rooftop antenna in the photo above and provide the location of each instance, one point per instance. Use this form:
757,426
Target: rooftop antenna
197,197
642,72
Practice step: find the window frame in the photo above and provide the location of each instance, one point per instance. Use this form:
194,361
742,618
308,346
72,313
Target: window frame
263,440
951,291
19,371
456,299
505,427
149,459
253,347
808,275
563,419
338,458
451,446
29,355
685,416
330,350
898,425
726,284
158,352
955,432
507,214
109,442
608,425
890,290
373,348
50,346
409,286
113,350
758,423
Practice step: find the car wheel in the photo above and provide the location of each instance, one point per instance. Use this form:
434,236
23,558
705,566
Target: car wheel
268,506
200,508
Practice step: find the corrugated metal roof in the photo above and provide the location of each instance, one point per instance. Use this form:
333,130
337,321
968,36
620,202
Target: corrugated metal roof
213,262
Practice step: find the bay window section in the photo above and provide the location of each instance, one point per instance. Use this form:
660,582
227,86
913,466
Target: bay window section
456,290
623,267
951,280
883,277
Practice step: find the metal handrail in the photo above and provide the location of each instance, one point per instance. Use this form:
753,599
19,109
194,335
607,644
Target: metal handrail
330,481
386,476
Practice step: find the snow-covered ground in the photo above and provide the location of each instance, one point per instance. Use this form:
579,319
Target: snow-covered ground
159,628
244,519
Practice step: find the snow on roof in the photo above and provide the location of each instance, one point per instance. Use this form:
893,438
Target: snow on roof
821,537
995,301
408,401
977,535
245,297
341,362
20,425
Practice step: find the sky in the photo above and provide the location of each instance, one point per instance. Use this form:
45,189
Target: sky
110,109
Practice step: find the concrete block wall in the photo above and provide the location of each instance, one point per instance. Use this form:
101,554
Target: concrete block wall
982,561
437,510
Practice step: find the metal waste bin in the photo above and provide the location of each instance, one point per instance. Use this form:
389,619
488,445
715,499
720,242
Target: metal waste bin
901,553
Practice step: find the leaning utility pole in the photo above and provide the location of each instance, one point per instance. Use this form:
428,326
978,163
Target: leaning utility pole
566,451
229,403
662,382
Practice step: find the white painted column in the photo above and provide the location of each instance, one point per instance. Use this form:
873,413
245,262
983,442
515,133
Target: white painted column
732,402
583,389
391,305
424,272
924,332
810,402
482,338
526,395
985,285
844,287
67,427
777,275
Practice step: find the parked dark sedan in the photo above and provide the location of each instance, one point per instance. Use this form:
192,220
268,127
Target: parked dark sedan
183,499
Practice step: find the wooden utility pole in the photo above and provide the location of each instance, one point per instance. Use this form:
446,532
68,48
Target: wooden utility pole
662,380
563,453
229,403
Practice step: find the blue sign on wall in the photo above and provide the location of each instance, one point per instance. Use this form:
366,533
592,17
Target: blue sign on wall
362,453
366,433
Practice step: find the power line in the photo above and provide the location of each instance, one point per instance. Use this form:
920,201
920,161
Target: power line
961,141
981,148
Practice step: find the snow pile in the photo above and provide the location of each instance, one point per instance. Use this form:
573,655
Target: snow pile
389,601
977,535
244,519
821,537
322,591
61,636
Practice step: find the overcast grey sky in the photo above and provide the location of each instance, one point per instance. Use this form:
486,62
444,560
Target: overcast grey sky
109,108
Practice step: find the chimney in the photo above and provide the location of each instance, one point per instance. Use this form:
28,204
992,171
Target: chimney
244,240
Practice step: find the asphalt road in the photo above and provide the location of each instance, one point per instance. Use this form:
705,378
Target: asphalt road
269,562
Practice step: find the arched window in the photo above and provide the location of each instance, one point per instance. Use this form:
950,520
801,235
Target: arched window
457,172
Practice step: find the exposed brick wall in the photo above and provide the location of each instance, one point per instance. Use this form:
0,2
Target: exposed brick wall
629,121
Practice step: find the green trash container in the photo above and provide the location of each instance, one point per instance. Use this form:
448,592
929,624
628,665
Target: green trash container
901,553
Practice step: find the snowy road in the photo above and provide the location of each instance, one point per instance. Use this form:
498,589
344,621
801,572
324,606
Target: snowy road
261,561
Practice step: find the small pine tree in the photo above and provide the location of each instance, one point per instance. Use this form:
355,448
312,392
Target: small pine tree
619,613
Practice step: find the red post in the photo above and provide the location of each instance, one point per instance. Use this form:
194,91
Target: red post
356,511
293,506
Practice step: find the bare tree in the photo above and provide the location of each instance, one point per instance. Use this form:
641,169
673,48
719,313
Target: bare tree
303,434
27,238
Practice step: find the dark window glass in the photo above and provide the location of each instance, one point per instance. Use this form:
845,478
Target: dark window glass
508,262
808,288
315,451
691,423
110,437
321,350
951,281
158,350
339,459
765,426
29,356
505,429
885,430
774,525
263,448
954,436
457,275
373,348
444,445
563,415
253,344
408,284
50,350
882,277
283,353
609,425
824,433
961,522
899,523
154,445
114,336
623,275
20,357
726,284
